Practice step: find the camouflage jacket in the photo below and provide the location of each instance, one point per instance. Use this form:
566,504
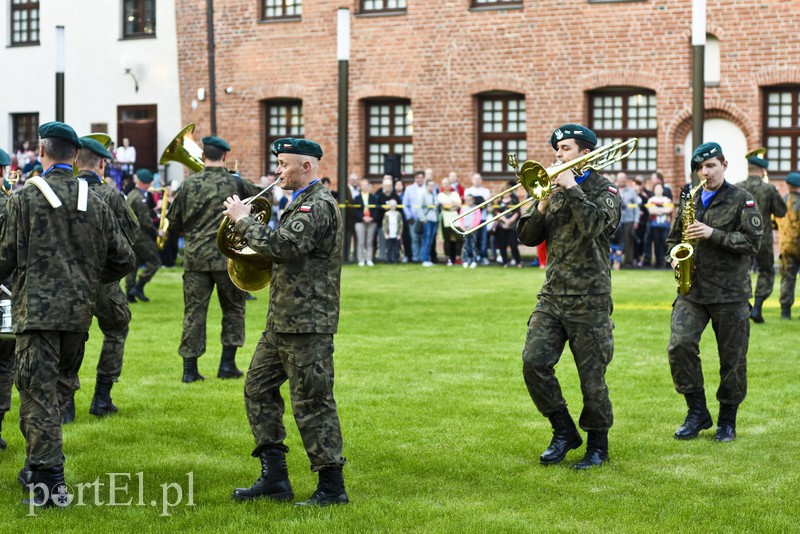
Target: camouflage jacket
196,212
577,227
722,262
306,251
61,255
116,201
768,200
789,226
137,202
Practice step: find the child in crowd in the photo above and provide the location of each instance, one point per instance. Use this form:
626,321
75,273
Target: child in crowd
392,232
470,253
506,233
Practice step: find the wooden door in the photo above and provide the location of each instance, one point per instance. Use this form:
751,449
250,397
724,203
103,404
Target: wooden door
139,125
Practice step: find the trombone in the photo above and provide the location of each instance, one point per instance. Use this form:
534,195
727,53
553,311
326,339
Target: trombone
538,180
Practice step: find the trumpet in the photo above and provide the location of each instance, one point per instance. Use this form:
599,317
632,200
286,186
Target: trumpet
9,180
537,180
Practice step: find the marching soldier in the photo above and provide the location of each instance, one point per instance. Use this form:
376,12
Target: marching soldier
64,242
790,245
297,344
195,213
728,229
6,345
770,204
145,243
112,312
576,222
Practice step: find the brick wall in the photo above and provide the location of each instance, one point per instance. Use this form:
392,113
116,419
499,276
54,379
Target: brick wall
439,54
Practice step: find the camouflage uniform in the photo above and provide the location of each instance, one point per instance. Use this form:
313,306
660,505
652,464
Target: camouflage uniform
575,301
112,312
298,341
769,203
62,257
720,291
145,244
790,249
6,346
196,211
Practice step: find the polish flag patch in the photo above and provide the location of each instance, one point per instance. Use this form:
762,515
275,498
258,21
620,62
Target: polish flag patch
612,189
750,203
305,209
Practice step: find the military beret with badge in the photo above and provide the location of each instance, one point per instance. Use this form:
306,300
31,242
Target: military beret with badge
59,130
793,179
704,152
572,131
144,176
95,147
758,161
218,142
294,145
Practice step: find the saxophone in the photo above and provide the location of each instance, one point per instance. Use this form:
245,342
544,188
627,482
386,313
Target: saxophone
683,253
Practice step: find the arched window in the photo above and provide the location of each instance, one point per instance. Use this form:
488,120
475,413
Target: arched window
619,113
389,129
282,118
781,126
501,129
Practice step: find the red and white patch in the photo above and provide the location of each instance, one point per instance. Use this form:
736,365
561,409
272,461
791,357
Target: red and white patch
305,209
750,203
612,189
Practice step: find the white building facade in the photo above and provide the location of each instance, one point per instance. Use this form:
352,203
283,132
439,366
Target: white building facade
120,64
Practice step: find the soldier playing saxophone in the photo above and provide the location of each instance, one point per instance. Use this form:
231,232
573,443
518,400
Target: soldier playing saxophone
727,229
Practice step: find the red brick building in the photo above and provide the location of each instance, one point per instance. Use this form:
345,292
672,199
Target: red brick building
455,84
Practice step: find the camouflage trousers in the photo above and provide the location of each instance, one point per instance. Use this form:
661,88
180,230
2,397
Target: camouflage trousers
7,350
306,360
197,289
147,254
113,317
765,260
46,376
585,322
790,265
731,324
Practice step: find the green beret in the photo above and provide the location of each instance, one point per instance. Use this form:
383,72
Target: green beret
37,168
94,146
704,152
61,131
5,160
213,140
758,162
793,179
293,145
572,131
144,175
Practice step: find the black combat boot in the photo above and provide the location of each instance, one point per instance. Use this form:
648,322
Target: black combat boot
565,438
24,477
698,418
755,314
53,479
726,423
227,364
786,312
273,483
101,402
138,292
190,372
330,489
129,295
596,450
69,412
3,444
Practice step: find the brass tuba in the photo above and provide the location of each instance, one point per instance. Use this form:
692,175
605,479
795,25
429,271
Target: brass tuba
683,253
182,149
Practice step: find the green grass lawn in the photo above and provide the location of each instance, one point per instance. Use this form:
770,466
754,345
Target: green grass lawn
439,430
